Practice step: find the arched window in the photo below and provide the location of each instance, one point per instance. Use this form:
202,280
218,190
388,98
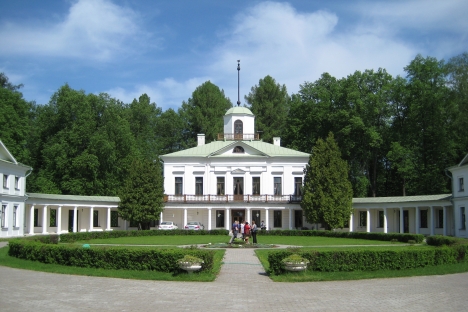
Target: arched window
238,130
238,149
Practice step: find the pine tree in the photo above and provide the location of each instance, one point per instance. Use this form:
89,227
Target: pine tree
327,193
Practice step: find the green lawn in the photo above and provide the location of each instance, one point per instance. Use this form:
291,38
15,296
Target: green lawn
13,262
205,239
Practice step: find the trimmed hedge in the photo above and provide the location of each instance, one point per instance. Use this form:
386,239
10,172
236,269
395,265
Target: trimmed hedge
404,238
440,240
371,260
162,260
73,237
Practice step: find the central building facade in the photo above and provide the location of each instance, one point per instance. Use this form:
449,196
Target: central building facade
238,177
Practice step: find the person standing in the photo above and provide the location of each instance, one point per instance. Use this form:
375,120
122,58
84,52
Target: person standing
262,225
253,230
235,230
246,232
242,229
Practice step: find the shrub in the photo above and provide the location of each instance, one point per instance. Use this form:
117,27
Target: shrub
439,240
162,260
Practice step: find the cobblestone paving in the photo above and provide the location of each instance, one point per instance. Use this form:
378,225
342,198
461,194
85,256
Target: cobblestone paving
241,284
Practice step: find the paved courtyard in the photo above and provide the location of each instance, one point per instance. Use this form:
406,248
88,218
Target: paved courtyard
241,285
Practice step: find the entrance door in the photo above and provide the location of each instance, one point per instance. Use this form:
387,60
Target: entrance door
405,221
238,215
71,221
238,183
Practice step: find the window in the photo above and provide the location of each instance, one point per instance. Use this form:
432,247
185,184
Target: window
220,186
380,224
178,186
114,219
238,130
423,215
219,218
5,180
17,183
53,217
362,218
462,218
36,217
256,186
238,149
298,186
15,211
277,219
198,186
3,216
277,186
256,215
95,218
440,218
298,219
461,184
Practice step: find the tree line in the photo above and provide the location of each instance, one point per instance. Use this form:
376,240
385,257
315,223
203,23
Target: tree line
396,134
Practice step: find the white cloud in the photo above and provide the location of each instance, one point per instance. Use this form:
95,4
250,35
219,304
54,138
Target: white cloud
167,93
92,29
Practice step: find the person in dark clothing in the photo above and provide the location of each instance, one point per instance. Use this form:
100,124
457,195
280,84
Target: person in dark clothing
253,232
235,230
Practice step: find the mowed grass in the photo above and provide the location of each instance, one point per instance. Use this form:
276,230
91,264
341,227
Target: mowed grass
205,239
12,262
315,276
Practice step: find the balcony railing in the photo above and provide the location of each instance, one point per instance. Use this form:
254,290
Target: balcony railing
237,136
232,198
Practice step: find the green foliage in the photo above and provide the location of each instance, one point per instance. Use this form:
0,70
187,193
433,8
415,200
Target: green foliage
269,102
327,196
141,197
203,112
440,240
367,260
85,236
162,260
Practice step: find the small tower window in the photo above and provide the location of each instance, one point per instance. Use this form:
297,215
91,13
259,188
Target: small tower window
238,130
238,149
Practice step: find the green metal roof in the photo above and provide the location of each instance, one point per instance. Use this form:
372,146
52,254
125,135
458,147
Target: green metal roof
401,199
73,197
214,148
239,110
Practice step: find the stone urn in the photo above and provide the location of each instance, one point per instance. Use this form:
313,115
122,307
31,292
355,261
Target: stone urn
190,263
295,263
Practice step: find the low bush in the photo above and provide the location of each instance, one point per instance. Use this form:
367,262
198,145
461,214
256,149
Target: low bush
81,236
404,238
162,260
370,260
439,240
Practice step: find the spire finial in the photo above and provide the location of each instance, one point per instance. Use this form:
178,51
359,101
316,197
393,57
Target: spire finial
238,85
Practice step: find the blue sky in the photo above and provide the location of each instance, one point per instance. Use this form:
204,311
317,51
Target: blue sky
167,48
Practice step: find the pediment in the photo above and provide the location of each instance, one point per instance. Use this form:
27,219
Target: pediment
5,154
238,149
238,171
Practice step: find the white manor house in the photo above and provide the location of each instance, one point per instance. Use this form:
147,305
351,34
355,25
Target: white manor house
237,177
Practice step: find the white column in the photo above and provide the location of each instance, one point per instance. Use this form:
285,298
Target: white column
75,221
249,219
385,224
185,218
209,219
402,228
91,213
351,222
59,219
445,220
108,228
432,225
31,220
368,223
418,220
160,217
267,219
227,222
290,218
44,220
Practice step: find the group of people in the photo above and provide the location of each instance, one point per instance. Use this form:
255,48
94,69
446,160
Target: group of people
246,230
